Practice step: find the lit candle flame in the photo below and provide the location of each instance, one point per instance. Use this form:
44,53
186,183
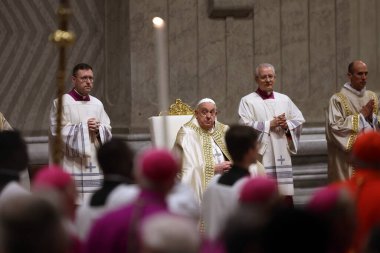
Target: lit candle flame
158,22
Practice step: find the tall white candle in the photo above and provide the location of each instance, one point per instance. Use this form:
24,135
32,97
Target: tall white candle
161,46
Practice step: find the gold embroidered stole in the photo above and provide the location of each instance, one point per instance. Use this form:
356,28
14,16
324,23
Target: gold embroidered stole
206,140
355,120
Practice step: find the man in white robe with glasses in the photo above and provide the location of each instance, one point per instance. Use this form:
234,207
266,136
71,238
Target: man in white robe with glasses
85,126
279,122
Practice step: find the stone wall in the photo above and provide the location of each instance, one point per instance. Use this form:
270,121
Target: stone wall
310,42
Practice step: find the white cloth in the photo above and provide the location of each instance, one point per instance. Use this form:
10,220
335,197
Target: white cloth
219,202
12,190
79,146
275,147
182,201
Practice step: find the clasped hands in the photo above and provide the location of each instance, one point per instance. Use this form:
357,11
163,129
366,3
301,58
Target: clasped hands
279,121
367,110
93,125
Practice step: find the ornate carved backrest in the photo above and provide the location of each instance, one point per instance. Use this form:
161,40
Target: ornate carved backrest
179,108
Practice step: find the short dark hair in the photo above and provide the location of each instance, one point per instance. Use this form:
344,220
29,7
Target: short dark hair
239,140
81,66
13,151
115,157
351,67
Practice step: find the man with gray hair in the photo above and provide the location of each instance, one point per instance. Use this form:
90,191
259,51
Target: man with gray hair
202,147
279,122
167,233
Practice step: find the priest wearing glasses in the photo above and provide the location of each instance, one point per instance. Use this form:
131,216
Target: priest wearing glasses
279,123
85,126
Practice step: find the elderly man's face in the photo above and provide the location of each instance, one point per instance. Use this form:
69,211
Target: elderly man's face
266,79
83,81
205,115
358,77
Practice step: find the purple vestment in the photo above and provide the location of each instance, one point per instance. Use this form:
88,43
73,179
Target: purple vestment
118,231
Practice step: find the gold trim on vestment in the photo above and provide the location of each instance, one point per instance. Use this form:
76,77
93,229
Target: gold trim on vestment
355,123
218,136
344,101
355,120
351,141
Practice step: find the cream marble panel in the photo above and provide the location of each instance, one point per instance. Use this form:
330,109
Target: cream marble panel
211,57
369,45
183,49
343,45
295,49
143,69
117,87
322,59
267,36
239,53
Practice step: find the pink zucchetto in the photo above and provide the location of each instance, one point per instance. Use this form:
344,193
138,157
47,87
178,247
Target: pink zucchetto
258,190
157,165
52,177
324,200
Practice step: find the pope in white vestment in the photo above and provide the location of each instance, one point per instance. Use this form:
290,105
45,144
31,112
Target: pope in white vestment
279,122
202,148
351,111
85,125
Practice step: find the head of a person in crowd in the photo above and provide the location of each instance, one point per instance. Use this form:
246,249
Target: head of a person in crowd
261,193
82,78
241,142
13,156
336,207
295,230
116,159
156,169
205,113
167,233
54,178
365,151
265,77
31,224
357,74
243,231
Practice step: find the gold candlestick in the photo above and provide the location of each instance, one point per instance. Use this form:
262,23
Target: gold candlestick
63,38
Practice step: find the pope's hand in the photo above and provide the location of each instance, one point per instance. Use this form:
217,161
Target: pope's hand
222,167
